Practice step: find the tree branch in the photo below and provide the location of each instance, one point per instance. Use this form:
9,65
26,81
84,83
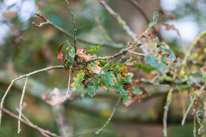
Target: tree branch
42,131
141,10
46,21
124,25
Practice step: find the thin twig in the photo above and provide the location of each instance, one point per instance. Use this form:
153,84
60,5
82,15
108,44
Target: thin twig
43,131
20,105
124,26
69,81
141,10
188,110
26,75
194,126
47,21
139,54
110,117
121,52
166,109
101,28
74,25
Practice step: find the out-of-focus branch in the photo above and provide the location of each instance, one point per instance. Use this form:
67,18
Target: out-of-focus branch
137,119
41,130
101,28
23,76
64,128
124,26
48,22
141,10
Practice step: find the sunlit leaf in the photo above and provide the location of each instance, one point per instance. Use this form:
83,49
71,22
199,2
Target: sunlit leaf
78,81
93,49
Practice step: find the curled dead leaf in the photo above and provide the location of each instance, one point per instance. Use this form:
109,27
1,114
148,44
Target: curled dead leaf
82,54
59,52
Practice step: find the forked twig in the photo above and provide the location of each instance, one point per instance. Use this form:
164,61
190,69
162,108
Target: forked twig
48,22
26,75
20,105
42,131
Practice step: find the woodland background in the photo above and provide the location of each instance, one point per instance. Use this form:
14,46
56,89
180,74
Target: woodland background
25,48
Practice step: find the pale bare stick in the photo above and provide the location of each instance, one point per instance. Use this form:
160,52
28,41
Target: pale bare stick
188,110
20,105
139,54
110,117
69,81
166,109
42,131
26,75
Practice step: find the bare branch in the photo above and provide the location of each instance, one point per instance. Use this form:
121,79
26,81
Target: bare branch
139,54
110,117
141,10
188,110
20,105
166,109
67,94
113,45
42,131
101,28
74,25
22,76
123,24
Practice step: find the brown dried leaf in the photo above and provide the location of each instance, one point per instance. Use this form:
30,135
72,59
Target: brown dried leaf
59,52
82,54
97,69
87,72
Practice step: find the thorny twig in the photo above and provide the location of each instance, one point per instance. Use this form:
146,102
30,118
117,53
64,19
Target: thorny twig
47,21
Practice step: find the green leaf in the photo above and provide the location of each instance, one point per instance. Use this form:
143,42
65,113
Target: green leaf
137,90
153,61
93,49
179,59
108,78
145,67
123,92
78,82
154,20
91,89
